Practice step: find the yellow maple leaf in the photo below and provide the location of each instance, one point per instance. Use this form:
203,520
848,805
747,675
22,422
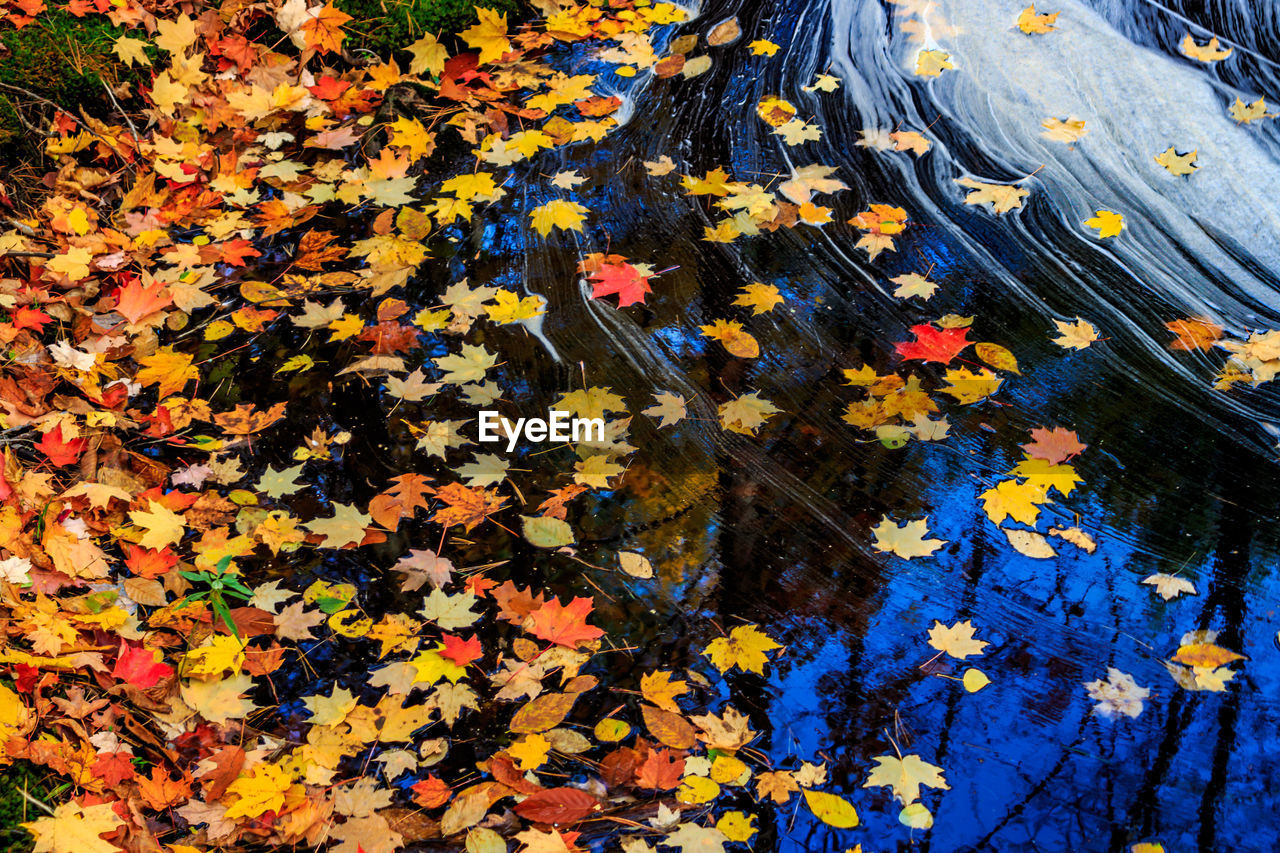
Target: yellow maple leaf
763,47
746,647
163,526
931,63
1001,197
1066,130
956,640
219,654
1032,23
429,56
746,414
76,829
1177,164
174,35
1012,499
169,369
346,527
130,51
530,751
1108,222
1251,112
730,333
1205,53
489,36
73,263
968,386
760,298
905,775
261,791
510,308
906,540
558,213
1077,335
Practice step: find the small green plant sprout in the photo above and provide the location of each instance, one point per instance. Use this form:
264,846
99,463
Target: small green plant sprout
221,585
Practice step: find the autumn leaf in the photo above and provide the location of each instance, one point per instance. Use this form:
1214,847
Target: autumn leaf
738,342
75,829
831,809
567,215
1032,23
906,540
1175,163
1118,695
61,451
323,29
746,414
905,775
1169,587
956,640
1077,335
564,625
1066,130
1054,446
626,281
1001,197
931,63
933,344
760,298
1194,334
1209,52
489,35
1020,501
746,648
1108,223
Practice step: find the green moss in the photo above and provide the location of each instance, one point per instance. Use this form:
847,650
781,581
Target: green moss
15,808
383,26
59,57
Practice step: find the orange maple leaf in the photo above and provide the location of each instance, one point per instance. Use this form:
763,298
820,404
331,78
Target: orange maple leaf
324,32
136,301
564,625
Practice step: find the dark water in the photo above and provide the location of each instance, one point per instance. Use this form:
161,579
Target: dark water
1178,478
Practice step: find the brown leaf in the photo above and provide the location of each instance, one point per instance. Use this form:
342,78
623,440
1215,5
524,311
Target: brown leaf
670,729
557,806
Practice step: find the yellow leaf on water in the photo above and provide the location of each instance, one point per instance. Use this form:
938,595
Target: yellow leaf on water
998,357
905,775
1032,23
1205,53
1108,222
1175,163
558,213
916,816
1077,335
906,540
831,809
931,63
974,680
1066,130
957,640
746,647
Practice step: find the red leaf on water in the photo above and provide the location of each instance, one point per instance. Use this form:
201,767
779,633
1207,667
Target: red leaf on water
460,651
1054,446
622,279
564,625
557,806
940,345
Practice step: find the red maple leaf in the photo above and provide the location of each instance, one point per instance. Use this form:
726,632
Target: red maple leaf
60,452
940,345
1054,446
660,770
460,651
234,252
146,562
623,279
114,767
29,317
431,792
328,88
139,667
136,301
564,625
